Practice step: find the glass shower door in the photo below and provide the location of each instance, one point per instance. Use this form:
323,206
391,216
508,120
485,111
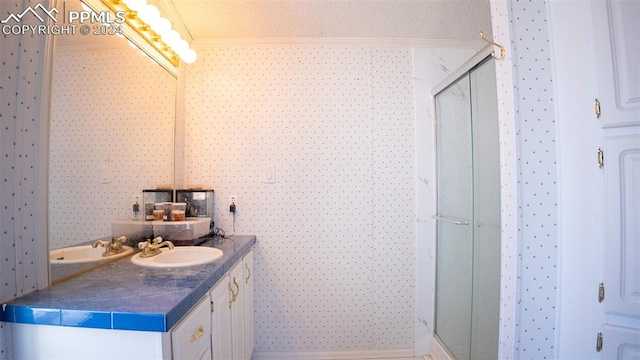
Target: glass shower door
455,210
468,230
486,213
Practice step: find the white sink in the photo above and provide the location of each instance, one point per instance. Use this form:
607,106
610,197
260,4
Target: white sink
179,256
83,254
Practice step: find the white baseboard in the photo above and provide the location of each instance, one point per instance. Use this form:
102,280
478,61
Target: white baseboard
438,351
369,354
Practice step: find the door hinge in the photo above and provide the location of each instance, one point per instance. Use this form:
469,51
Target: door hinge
212,307
596,108
601,292
599,342
600,158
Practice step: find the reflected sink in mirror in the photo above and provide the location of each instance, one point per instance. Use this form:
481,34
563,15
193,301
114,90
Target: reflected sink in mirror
179,256
84,254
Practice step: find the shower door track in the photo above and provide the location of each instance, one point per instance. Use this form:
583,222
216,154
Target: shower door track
462,70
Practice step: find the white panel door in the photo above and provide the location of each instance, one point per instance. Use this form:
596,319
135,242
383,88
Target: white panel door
622,224
617,40
621,343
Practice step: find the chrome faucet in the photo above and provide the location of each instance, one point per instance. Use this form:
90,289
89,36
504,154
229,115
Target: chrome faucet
111,247
152,248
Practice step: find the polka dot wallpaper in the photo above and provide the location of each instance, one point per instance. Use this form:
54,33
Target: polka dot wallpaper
22,69
529,173
394,191
508,178
112,122
335,257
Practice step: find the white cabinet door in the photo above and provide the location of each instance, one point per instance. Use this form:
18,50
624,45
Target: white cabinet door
232,313
621,343
248,304
599,204
206,355
236,278
221,320
622,224
191,338
616,29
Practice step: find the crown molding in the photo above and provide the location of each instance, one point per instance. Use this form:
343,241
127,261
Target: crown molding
369,42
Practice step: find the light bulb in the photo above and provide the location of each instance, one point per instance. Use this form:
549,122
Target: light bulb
171,38
161,26
189,56
135,5
149,14
181,46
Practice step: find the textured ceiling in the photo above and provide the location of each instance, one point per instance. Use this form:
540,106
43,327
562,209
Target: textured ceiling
458,20
406,19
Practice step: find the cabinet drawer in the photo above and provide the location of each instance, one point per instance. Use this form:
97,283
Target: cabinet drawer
192,336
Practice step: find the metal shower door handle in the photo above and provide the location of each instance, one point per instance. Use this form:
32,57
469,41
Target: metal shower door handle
450,220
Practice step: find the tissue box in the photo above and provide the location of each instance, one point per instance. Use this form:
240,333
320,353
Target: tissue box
187,232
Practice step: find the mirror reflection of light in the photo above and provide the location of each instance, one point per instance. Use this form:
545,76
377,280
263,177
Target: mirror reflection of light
154,29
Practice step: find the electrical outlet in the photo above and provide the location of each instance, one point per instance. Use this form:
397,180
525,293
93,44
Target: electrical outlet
233,199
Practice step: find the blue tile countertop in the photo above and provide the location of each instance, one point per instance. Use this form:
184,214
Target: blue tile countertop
125,296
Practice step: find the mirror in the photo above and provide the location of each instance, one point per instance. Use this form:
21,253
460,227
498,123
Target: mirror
112,135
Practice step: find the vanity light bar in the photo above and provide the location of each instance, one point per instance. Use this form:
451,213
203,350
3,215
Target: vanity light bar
170,46
144,30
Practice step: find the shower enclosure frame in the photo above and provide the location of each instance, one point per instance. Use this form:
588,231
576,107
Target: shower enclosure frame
437,347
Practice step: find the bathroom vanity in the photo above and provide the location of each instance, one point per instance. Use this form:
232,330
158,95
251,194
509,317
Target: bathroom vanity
122,310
